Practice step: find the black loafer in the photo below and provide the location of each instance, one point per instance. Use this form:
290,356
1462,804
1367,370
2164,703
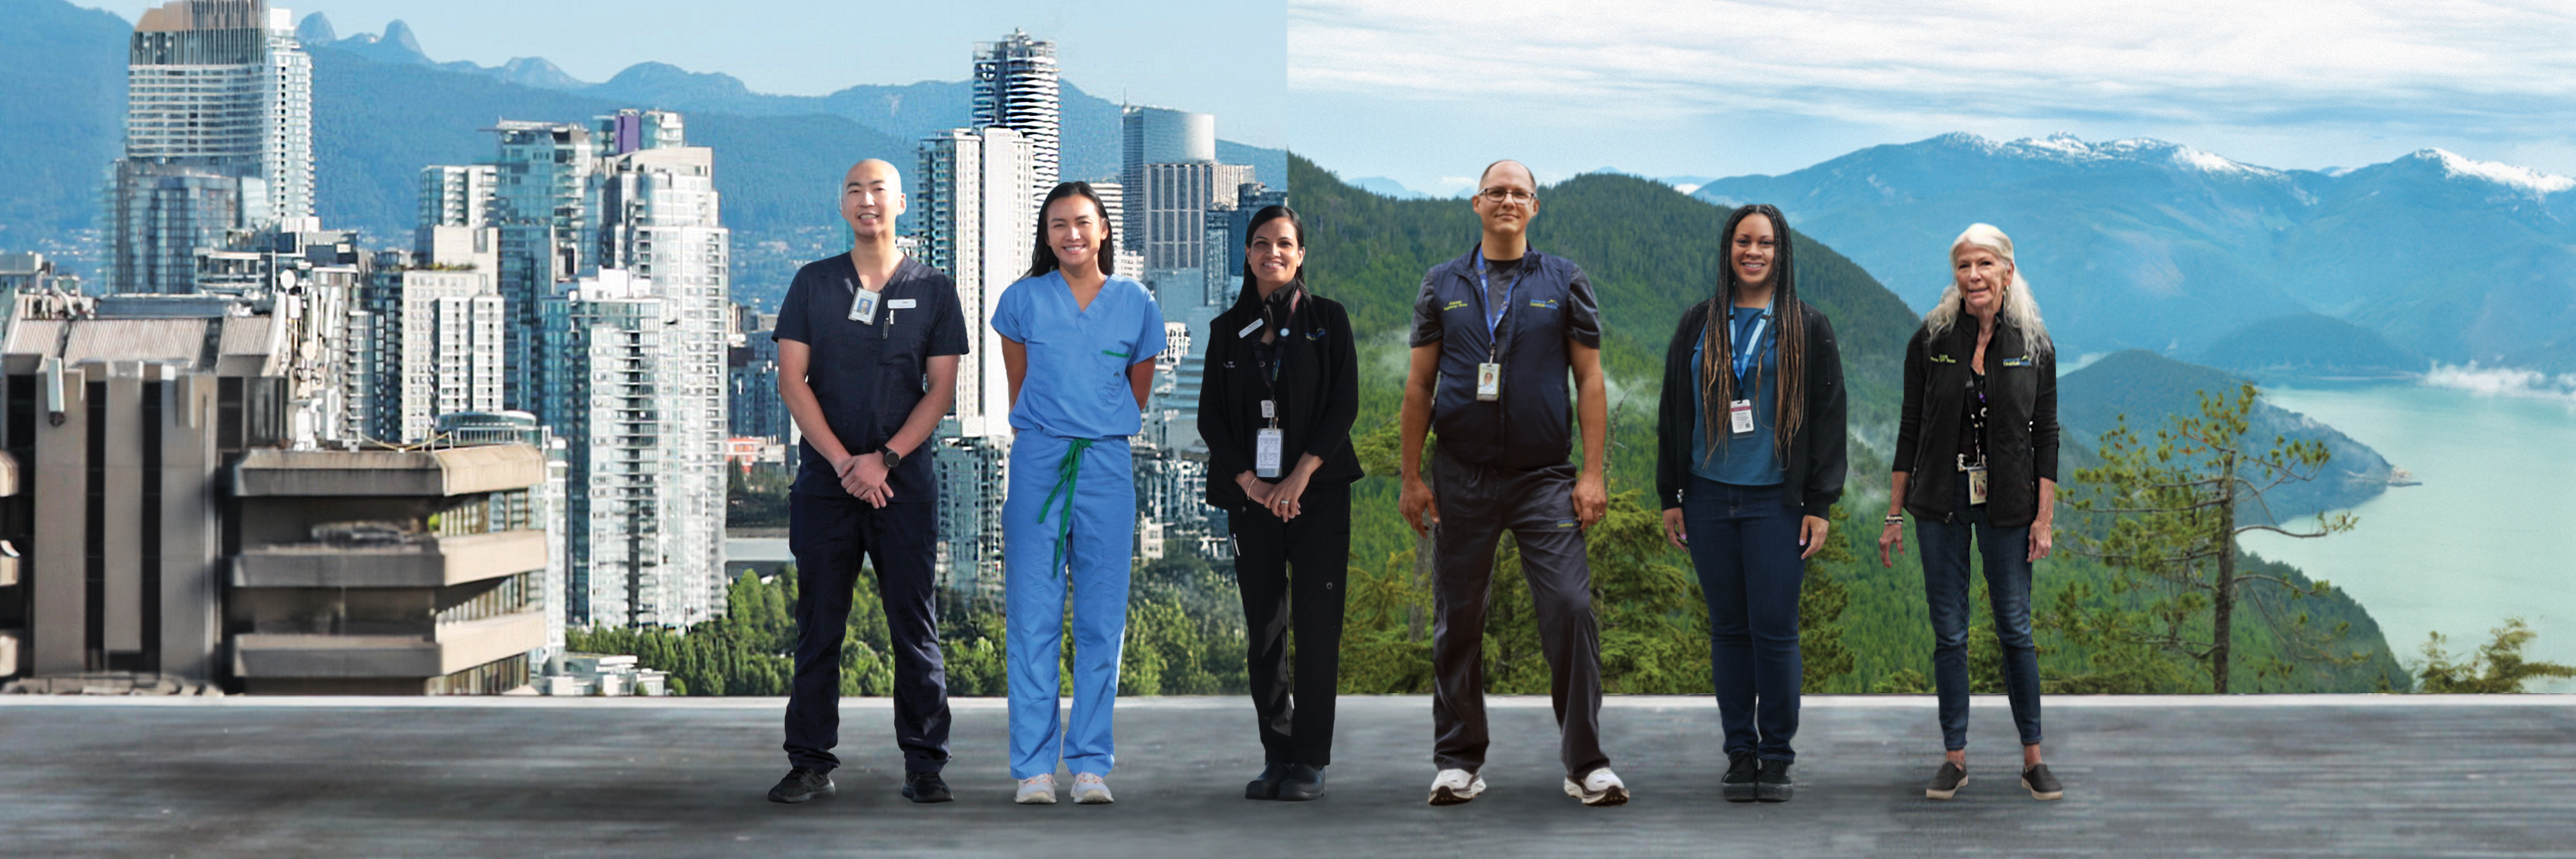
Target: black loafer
1773,785
2041,783
802,784
925,787
1303,783
1742,769
1267,786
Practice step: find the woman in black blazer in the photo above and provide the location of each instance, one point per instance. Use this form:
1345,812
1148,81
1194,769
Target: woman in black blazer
1275,408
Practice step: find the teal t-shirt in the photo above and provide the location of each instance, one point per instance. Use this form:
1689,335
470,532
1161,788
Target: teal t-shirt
1748,459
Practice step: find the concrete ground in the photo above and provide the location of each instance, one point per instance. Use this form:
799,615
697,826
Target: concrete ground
2279,775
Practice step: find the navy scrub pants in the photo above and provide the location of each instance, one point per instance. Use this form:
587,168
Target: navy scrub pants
1318,544
1745,543
1477,504
830,537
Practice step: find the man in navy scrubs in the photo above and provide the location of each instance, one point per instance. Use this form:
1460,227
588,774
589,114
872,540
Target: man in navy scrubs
1495,333
867,362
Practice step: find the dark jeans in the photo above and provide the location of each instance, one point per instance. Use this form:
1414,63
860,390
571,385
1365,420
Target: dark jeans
1477,503
830,536
1945,587
1318,544
1745,543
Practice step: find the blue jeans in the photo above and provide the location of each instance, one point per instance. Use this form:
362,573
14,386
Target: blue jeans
1945,587
1745,543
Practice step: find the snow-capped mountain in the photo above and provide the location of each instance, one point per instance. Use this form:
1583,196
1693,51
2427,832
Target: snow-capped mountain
2157,245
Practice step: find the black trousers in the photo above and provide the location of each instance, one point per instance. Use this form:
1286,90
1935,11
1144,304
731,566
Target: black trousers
830,536
1477,503
1317,544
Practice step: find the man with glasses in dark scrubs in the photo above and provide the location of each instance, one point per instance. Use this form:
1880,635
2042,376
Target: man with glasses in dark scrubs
1494,334
867,362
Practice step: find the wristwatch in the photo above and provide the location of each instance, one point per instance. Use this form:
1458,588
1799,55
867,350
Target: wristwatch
892,459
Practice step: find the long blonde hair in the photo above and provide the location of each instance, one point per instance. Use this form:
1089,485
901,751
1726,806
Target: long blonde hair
2019,308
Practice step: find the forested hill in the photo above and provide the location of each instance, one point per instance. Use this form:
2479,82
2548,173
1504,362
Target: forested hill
1651,253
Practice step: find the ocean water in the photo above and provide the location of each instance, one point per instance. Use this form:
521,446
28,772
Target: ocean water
2490,534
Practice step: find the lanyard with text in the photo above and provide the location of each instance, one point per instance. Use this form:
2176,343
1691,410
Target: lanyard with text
1489,375
1748,346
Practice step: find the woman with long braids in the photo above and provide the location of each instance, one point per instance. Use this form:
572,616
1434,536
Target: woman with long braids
1281,390
1749,459
1976,459
1078,345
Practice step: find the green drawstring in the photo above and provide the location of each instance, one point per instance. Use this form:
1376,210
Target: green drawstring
1067,471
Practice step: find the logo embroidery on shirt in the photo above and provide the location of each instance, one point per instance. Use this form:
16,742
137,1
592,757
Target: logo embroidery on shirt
2017,362
1318,335
1944,359
1565,523
1549,304
1455,305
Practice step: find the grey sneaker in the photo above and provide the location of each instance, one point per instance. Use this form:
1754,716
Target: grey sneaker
802,784
1090,789
1455,787
1036,790
1600,787
2041,784
1946,782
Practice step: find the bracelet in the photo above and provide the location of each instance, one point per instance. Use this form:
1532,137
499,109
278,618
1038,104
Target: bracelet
1896,518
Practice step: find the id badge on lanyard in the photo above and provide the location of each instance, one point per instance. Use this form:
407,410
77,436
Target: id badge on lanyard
1739,413
1489,375
863,306
1268,444
1739,417
1975,474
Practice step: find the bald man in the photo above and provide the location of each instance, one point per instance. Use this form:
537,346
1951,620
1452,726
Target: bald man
1495,333
867,363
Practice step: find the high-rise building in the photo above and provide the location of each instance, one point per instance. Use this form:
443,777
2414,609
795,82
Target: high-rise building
544,204
1113,204
1175,203
218,136
1158,135
608,341
438,334
1016,88
977,217
455,195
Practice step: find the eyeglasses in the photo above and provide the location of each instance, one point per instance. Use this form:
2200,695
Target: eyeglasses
1500,194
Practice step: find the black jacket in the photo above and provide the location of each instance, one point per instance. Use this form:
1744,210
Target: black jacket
1549,302
1318,390
2021,421
1816,454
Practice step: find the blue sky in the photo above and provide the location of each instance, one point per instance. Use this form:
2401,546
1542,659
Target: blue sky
1224,58
1733,87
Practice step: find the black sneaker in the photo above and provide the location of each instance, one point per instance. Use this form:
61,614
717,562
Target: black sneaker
2041,784
802,784
925,787
1946,782
1267,786
1301,784
1741,770
1773,784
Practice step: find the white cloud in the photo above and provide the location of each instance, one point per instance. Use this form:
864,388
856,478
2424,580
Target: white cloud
2403,73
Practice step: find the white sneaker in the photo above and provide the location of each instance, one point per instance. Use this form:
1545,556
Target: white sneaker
1602,787
1037,790
1089,789
1453,787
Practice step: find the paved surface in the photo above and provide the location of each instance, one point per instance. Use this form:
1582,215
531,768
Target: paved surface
2291,775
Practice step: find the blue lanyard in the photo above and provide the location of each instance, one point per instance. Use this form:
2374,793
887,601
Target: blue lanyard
1747,347
1493,320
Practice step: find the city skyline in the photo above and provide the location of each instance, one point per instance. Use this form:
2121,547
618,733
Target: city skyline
1740,88
1234,50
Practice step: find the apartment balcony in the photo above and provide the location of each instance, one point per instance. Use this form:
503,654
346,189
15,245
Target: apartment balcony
422,562
452,647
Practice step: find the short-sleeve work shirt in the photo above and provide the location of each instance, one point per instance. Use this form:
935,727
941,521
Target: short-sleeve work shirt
868,376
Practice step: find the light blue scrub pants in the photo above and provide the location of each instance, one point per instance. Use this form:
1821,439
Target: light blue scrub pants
1095,556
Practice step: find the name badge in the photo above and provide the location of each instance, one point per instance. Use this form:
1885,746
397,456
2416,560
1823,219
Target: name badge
863,307
1248,329
901,304
1739,417
1489,381
1266,446
1976,484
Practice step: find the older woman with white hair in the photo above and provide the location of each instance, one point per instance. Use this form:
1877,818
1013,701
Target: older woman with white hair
1976,460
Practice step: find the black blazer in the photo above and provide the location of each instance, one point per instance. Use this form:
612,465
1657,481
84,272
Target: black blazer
1318,390
1816,454
2021,421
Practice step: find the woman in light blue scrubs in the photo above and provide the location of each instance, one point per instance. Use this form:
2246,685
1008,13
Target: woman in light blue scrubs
1079,343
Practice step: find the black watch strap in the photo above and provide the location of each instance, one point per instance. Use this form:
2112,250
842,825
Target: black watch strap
892,459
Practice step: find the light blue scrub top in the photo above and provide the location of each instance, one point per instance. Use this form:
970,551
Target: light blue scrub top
1076,386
